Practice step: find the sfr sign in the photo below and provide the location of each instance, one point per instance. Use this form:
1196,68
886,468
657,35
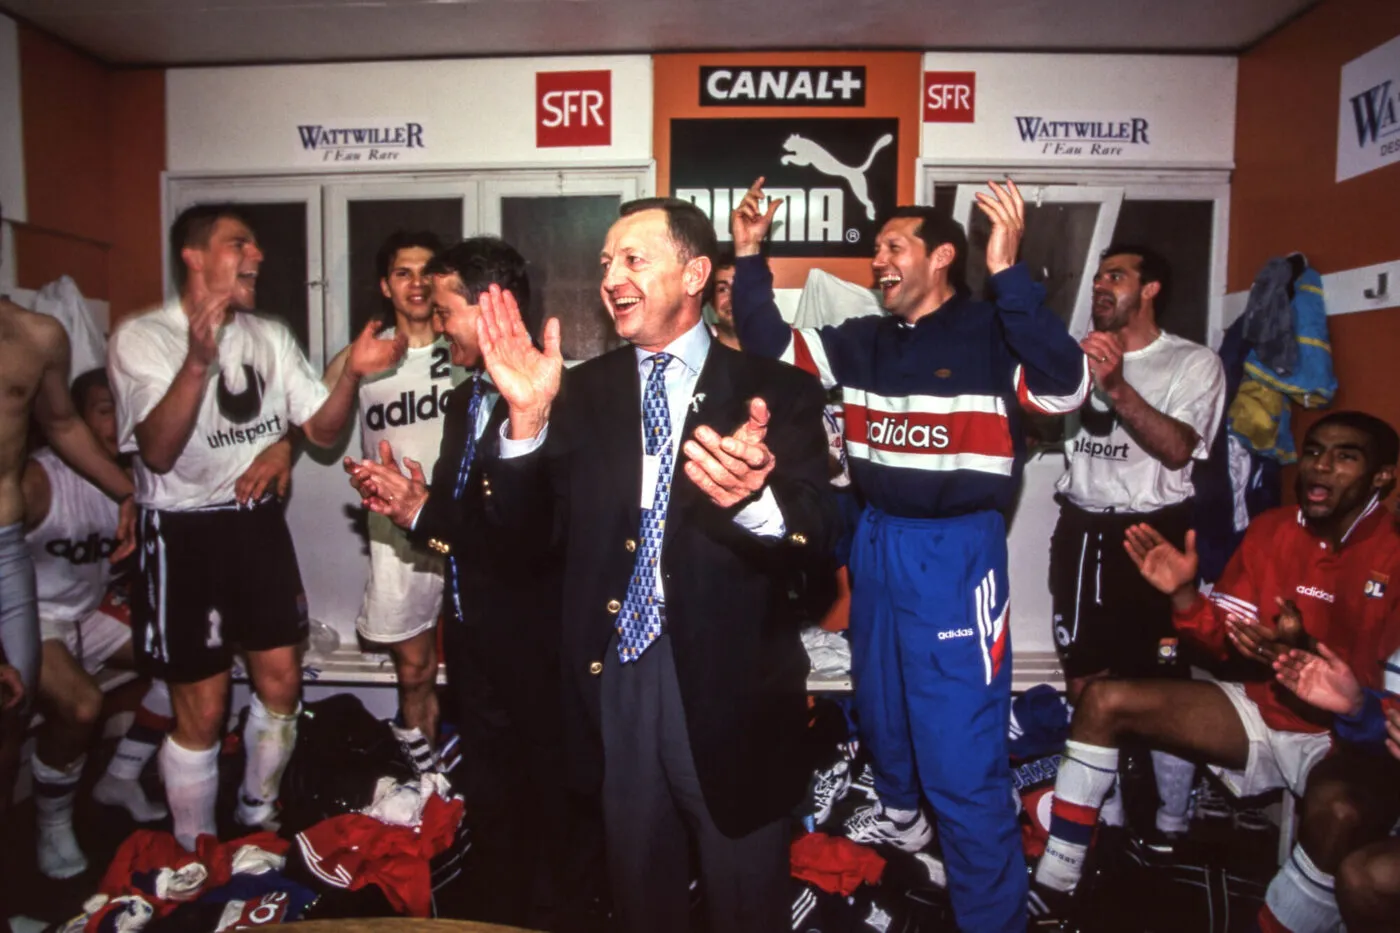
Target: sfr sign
950,96
573,108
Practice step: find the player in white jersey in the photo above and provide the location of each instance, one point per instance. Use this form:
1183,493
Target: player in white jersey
85,625
402,406
203,385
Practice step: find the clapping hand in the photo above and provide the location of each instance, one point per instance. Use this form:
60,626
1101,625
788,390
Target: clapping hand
734,468
527,378
1007,212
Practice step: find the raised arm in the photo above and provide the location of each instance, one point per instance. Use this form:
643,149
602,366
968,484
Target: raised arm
161,436
67,433
757,320
1052,377
367,355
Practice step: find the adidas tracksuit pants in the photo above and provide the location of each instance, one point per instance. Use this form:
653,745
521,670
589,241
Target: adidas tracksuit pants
931,657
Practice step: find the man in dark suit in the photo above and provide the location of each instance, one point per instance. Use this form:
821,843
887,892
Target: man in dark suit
689,490
501,638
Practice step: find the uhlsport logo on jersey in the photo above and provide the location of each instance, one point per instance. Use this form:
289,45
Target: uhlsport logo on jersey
835,176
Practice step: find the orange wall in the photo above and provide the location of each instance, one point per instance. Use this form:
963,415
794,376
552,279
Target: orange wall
893,88
94,147
138,158
1284,196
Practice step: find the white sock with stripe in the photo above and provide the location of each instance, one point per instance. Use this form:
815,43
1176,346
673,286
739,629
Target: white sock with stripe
1087,775
1302,898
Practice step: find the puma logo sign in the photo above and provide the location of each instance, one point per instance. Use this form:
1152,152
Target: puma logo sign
802,151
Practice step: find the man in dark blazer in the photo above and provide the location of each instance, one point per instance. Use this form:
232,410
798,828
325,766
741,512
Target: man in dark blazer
501,634
685,677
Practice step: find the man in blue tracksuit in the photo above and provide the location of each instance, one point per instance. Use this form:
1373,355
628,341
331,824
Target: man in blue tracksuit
931,394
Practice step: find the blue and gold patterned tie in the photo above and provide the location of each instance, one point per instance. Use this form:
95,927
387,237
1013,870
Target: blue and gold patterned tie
640,621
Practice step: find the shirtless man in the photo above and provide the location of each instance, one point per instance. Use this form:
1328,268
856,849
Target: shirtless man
34,374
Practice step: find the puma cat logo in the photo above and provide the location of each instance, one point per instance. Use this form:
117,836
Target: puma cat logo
802,151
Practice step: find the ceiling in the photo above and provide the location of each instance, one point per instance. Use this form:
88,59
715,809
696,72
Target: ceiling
187,32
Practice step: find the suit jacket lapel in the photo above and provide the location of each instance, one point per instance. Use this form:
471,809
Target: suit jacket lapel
711,404
616,429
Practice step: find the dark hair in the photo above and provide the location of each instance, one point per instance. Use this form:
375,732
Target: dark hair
1383,447
1152,267
404,239
480,262
689,229
84,384
935,229
193,227
725,260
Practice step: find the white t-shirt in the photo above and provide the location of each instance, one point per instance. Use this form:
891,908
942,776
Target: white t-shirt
403,405
261,385
71,545
1107,468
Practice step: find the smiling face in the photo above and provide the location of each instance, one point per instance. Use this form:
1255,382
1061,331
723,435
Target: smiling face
1335,476
724,297
454,317
906,273
408,290
228,263
100,414
651,292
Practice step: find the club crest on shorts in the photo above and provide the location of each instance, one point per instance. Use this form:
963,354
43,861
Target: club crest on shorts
214,635
1166,650
1376,584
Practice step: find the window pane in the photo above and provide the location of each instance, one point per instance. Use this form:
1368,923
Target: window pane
1055,248
370,223
1181,232
560,238
281,232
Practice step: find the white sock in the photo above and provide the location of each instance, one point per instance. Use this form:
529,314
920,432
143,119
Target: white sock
54,790
901,816
1175,778
268,739
1087,775
1301,897
120,784
191,779
1111,813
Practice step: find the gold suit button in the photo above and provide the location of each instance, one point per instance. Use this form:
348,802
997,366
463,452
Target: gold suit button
595,668
631,545
614,606
797,538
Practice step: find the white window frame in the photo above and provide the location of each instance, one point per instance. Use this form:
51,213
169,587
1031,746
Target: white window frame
1138,185
326,195
626,185
183,193
1109,199
337,235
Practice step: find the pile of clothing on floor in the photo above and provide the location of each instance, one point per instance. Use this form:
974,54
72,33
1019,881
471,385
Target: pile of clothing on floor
364,832
839,886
